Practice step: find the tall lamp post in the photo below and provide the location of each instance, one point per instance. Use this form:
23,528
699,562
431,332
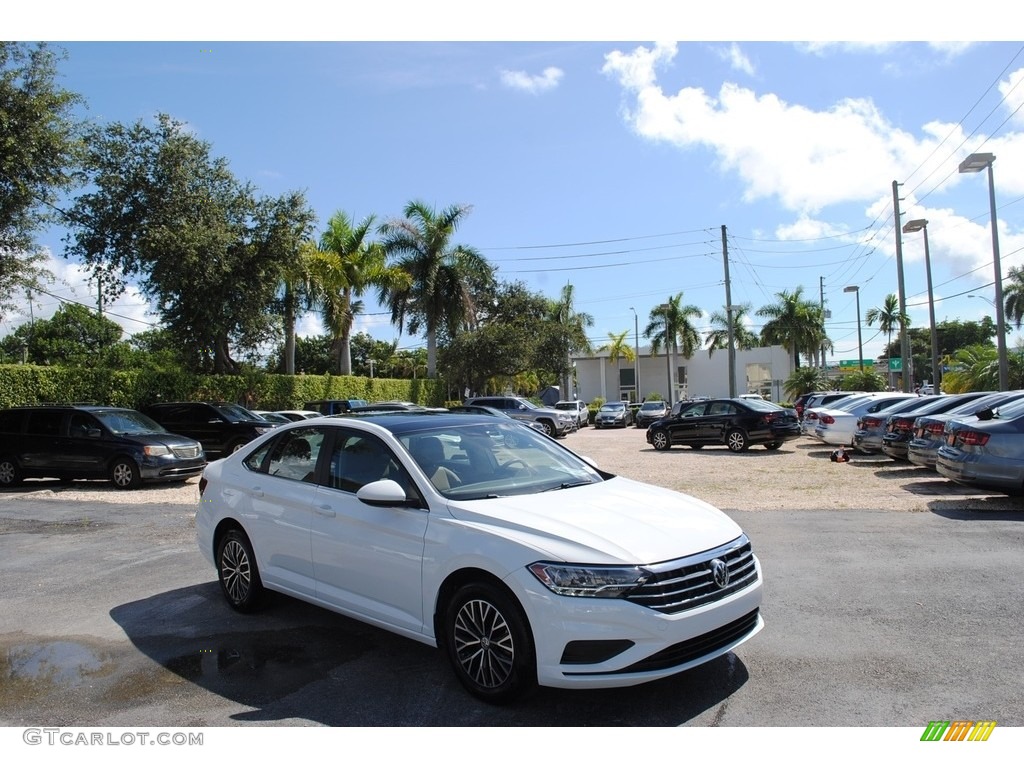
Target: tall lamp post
860,345
973,164
921,225
636,357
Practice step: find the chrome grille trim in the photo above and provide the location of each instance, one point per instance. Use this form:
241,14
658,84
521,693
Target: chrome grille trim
186,451
684,584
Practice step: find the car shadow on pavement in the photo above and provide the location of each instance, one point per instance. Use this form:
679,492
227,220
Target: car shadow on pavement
294,661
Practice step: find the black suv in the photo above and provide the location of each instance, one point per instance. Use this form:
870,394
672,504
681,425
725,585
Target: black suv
72,442
222,428
334,407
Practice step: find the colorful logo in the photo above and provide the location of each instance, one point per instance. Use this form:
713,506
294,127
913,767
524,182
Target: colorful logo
958,730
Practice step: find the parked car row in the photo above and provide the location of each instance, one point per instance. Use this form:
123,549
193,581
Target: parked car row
974,439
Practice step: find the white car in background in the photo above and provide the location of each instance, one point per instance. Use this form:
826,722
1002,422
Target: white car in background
837,426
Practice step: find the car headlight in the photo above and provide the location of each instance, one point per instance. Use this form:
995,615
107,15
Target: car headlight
156,450
263,430
589,580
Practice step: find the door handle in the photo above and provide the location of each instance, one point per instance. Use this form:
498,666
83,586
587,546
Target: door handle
324,510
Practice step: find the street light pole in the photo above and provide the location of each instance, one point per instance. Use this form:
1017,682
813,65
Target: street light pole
860,344
636,356
921,225
972,164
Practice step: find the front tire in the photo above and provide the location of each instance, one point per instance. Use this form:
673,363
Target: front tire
237,572
737,441
549,428
661,440
773,446
488,642
125,475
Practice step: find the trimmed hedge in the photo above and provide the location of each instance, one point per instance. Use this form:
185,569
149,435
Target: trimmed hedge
34,385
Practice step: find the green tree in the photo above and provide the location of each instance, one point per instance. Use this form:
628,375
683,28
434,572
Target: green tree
39,153
718,336
366,348
670,326
444,278
203,247
794,322
344,266
75,335
804,380
1013,297
617,347
567,336
514,339
889,319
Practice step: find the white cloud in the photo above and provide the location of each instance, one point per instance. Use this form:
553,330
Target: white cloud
522,81
736,59
1012,90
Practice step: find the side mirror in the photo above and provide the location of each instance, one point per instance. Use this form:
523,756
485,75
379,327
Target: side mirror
382,493
985,414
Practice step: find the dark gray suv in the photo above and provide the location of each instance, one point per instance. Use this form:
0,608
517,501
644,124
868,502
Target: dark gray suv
79,442
553,422
222,428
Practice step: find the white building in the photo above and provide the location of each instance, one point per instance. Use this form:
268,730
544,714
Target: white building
763,370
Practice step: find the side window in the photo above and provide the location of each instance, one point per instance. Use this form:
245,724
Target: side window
359,459
694,410
11,421
295,453
45,423
80,423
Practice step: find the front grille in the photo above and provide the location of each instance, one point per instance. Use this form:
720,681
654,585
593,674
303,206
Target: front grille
685,584
187,451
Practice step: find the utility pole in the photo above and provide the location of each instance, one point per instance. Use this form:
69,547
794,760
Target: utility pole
908,372
821,303
728,318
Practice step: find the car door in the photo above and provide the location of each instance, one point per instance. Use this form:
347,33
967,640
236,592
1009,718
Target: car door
40,445
720,415
86,445
688,426
279,496
367,559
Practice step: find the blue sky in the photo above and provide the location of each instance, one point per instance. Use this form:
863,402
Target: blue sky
611,165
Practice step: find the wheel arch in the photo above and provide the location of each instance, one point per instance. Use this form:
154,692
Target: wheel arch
453,582
225,525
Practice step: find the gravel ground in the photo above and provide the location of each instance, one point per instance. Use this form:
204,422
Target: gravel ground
798,476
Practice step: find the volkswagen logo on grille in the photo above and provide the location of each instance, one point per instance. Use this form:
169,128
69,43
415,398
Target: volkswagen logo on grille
720,573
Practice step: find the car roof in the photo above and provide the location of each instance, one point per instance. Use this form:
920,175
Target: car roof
407,422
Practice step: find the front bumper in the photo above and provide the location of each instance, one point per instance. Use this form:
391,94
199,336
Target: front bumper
570,633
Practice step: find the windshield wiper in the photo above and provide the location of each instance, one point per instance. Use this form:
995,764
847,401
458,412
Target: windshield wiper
568,484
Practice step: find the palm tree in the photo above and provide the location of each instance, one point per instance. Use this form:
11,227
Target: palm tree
617,347
888,318
341,269
1013,297
794,323
296,281
572,327
670,326
443,278
718,336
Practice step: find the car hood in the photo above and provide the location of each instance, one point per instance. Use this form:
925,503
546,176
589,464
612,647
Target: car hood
169,439
615,521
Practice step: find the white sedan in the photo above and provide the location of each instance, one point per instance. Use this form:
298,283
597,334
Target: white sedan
836,427
480,536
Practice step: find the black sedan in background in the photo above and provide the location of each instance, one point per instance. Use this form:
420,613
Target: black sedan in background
733,422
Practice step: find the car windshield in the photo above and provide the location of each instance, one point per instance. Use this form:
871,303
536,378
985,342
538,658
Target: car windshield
613,407
128,422
237,413
567,406
655,405
499,458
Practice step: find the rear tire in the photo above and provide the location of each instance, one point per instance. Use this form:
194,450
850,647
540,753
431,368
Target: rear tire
10,473
736,440
237,572
772,446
